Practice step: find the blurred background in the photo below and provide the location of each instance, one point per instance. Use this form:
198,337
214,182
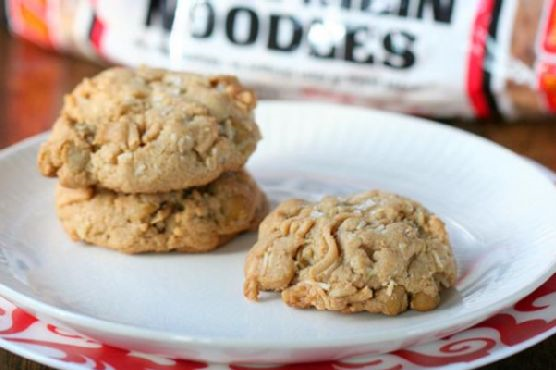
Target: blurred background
485,66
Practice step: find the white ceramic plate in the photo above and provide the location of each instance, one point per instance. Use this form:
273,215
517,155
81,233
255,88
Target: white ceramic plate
499,209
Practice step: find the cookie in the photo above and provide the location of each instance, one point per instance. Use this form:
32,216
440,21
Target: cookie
150,130
375,252
192,220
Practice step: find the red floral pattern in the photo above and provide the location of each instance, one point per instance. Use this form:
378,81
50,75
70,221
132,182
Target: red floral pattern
78,349
528,303
454,352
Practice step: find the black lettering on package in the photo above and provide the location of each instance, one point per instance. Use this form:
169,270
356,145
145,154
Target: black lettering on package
399,45
161,13
289,33
439,11
249,28
320,48
354,42
278,23
202,19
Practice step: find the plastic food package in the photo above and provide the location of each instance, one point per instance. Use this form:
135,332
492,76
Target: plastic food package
443,58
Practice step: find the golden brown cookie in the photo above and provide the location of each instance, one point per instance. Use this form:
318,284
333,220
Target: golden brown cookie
150,130
375,252
191,220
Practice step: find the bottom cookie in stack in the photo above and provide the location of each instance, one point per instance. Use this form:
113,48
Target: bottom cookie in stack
195,219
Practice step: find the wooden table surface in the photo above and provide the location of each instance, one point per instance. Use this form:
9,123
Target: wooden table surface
33,81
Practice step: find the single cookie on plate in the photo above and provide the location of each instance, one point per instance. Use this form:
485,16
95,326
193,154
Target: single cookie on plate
192,220
375,252
150,130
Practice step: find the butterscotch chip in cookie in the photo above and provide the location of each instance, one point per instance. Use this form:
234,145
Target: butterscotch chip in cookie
149,130
191,220
375,252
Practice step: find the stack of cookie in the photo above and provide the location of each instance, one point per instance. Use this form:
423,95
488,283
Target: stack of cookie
151,161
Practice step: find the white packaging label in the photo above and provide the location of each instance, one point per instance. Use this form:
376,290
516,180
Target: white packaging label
433,57
389,54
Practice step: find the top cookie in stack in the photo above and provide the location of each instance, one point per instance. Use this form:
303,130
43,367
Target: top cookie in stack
150,130
151,160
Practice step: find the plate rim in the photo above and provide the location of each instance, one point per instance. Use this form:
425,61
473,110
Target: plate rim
492,357
97,325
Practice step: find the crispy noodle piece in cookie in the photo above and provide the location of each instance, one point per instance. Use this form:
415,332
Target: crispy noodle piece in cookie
375,252
149,130
191,220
